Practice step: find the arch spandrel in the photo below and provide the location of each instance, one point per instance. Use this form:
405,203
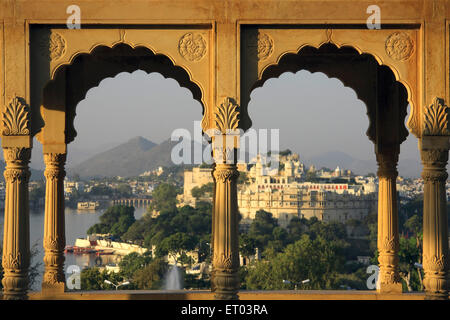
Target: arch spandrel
188,49
382,45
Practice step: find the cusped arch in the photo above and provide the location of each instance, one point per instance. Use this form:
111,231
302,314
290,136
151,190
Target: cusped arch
342,63
71,81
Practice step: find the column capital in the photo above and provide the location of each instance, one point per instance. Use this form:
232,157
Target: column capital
54,165
387,164
225,172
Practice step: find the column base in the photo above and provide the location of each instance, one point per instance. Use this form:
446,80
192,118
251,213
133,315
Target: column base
226,286
51,288
390,288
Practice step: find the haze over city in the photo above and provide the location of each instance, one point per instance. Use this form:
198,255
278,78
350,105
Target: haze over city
311,123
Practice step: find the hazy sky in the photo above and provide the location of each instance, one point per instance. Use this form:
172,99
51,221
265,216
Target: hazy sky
314,113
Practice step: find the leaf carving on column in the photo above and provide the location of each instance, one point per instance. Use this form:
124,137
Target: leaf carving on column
227,115
434,264
389,244
224,262
13,261
16,118
435,119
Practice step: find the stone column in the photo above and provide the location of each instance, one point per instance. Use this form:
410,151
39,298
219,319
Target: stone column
225,236
225,233
16,239
435,224
388,240
54,225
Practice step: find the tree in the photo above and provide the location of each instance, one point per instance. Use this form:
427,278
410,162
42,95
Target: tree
261,228
414,225
247,245
133,262
164,198
151,276
176,245
318,260
124,190
296,228
91,279
115,220
409,254
100,190
205,190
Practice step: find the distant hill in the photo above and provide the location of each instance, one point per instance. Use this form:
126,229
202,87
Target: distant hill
332,159
129,159
138,155
407,167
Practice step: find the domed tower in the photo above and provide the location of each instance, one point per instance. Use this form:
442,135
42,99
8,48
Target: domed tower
259,168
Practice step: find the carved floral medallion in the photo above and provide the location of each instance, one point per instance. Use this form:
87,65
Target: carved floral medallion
261,45
192,46
399,46
54,47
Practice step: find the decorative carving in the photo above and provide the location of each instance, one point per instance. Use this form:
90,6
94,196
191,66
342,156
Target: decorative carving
55,159
13,175
434,264
19,158
388,244
53,277
225,263
434,165
228,173
16,154
13,261
265,46
222,261
54,163
261,45
16,118
192,46
387,164
399,46
431,176
389,277
54,47
227,116
53,244
435,119
435,156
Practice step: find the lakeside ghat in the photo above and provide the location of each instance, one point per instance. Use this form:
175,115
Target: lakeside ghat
101,243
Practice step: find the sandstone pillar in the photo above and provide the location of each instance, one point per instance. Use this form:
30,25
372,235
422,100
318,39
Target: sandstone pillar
435,224
16,239
388,240
225,235
54,225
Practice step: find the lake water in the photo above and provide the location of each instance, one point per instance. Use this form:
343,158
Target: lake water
77,222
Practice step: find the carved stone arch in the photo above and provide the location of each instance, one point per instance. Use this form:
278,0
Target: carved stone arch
70,82
351,66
